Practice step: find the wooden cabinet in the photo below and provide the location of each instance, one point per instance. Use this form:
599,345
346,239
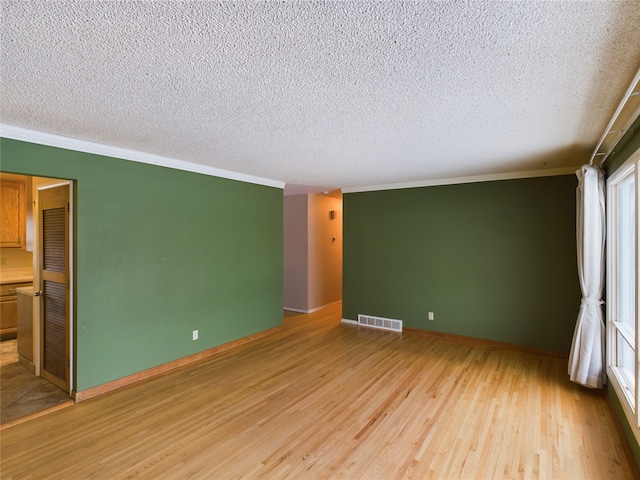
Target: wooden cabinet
9,309
13,213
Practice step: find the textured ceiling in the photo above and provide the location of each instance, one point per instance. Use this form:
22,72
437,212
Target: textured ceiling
338,94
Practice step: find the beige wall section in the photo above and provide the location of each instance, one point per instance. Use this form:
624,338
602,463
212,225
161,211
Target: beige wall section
295,286
325,249
312,258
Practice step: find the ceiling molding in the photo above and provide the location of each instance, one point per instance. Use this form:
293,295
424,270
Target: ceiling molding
58,141
551,172
627,112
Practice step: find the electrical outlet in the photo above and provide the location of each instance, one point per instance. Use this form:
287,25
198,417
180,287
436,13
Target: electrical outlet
195,335
431,316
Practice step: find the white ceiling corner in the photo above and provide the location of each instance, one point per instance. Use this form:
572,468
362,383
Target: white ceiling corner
341,94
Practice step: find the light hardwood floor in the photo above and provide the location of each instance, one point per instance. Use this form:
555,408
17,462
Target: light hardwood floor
325,400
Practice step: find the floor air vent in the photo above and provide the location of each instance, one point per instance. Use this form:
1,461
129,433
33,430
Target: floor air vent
379,322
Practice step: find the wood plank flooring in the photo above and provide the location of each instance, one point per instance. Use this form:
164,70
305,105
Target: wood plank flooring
325,400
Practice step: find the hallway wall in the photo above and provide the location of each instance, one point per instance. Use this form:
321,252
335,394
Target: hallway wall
312,250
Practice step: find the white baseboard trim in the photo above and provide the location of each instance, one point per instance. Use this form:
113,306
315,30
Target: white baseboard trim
297,310
313,309
350,322
325,306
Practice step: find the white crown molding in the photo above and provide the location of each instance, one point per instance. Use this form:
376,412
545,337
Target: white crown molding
59,141
551,172
52,140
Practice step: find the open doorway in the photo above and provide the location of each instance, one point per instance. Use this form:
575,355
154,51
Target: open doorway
34,227
312,248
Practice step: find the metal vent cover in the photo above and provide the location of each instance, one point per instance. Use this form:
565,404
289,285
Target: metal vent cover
380,322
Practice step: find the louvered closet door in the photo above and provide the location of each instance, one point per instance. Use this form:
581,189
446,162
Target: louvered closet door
54,285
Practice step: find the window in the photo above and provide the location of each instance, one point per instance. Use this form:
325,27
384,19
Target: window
622,287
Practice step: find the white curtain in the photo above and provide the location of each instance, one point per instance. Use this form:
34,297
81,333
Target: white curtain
586,360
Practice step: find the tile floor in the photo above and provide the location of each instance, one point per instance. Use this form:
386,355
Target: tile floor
21,392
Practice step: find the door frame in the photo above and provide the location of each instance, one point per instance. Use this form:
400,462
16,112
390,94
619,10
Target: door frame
37,337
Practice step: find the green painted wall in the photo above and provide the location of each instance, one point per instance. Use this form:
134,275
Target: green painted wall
493,260
627,146
159,253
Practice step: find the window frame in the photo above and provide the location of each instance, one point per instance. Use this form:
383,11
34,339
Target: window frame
630,401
